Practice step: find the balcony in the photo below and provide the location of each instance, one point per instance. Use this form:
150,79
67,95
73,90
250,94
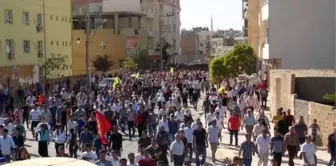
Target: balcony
245,31
265,49
265,10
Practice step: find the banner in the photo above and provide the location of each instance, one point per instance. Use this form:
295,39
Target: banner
131,42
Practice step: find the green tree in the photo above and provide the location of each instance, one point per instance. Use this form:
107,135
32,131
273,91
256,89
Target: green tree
130,63
52,63
241,58
217,70
102,63
330,97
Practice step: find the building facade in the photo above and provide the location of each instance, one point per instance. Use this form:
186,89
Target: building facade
150,16
220,45
58,33
298,38
26,35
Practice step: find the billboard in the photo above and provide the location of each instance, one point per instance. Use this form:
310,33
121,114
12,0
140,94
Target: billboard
131,42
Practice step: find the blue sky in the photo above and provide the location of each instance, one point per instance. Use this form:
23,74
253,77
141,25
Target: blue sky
226,13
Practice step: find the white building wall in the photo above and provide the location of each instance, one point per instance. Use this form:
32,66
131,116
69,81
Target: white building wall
302,33
170,25
121,5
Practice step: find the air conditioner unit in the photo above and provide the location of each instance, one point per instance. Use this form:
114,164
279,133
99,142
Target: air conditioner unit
38,28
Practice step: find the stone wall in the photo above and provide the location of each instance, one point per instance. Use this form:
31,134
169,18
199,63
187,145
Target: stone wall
282,94
301,109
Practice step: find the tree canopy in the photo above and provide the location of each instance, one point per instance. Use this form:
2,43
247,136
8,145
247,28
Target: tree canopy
130,63
241,59
52,63
102,63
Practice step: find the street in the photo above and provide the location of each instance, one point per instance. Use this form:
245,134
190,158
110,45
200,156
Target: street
224,151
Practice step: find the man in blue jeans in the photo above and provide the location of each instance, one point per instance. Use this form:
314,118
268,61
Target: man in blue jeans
200,143
248,148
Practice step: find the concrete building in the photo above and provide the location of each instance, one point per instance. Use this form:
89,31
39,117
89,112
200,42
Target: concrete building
31,32
250,12
220,45
58,34
188,47
297,38
145,15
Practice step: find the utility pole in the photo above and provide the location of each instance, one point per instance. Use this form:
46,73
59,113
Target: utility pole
87,43
160,32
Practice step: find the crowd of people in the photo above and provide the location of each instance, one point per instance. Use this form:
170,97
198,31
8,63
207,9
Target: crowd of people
158,106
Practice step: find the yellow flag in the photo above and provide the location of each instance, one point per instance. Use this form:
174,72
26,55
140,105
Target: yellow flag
137,75
171,70
221,89
116,82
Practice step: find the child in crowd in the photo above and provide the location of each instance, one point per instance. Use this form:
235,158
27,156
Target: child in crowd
314,128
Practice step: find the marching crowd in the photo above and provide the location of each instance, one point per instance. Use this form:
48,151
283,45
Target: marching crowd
156,105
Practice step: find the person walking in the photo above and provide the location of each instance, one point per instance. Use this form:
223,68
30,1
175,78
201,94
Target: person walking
43,140
102,159
177,151
332,148
262,142
213,134
6,145
248,148
200,143
277,144
308,150
292,145
233,127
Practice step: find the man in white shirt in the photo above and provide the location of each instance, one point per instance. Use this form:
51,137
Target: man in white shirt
213,133
209,117
131,160
115,158
164,122
140,155
308,150
262,142
221,110
188,133
6,145
30,100
9,126
177,151
89,155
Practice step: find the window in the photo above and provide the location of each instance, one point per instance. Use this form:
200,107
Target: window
26,46
102,45
62,43
50,17
9,45
65,19
39,19
25,18
174,28
70,43
174,43
51,43
40,45
161,7
8,16
66,43
56,18
57,43
62,19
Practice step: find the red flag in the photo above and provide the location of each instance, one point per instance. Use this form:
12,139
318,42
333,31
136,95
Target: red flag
103,126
